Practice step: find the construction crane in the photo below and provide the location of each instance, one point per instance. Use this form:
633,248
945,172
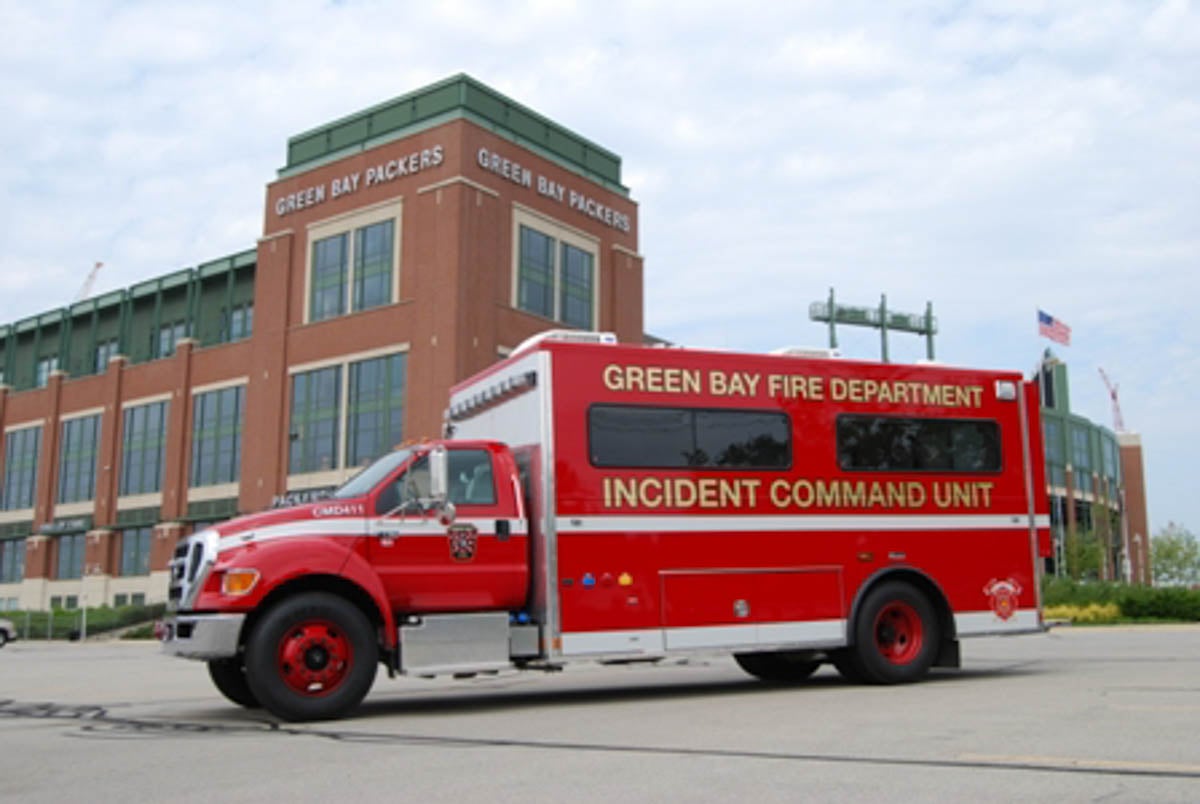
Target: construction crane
1113,388
86,290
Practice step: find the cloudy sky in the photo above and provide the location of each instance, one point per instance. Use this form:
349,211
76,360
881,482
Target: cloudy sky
990,157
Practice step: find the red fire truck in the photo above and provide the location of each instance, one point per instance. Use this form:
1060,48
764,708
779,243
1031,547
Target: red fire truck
596,501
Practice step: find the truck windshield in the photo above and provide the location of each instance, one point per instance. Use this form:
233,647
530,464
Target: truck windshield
370,477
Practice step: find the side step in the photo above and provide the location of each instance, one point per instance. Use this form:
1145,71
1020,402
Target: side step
439,644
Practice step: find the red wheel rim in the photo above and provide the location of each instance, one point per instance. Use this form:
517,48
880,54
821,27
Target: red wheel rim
899,633
314,657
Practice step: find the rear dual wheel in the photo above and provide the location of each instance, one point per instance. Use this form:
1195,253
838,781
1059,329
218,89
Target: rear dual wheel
896,637
311,657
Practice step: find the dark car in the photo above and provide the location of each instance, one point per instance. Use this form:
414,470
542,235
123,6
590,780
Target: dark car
8,632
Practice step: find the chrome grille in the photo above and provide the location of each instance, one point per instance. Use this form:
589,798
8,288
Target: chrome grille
189,567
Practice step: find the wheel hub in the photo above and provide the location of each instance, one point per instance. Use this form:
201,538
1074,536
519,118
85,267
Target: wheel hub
899,634
314,658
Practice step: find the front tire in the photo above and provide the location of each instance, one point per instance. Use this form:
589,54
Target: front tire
311,657
782,667
229,677
3,638
896,636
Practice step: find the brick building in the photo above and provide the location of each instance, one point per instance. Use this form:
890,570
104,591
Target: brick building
404,247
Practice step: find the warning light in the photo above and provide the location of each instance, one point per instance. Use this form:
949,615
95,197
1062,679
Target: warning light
588,580
625,579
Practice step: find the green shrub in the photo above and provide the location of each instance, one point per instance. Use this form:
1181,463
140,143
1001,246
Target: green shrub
1160,603
1068,592
63,623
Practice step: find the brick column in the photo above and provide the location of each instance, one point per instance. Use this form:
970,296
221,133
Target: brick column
265,423
1135,518
175,474
47,470
108,459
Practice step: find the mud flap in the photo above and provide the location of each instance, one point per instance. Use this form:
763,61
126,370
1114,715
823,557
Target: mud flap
948,654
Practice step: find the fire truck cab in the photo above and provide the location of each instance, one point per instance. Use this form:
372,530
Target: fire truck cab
596,501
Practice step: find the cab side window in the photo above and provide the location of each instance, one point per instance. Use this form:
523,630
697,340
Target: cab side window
471,481
409,487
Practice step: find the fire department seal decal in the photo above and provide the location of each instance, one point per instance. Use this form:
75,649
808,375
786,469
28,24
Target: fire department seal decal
1004,595
463,540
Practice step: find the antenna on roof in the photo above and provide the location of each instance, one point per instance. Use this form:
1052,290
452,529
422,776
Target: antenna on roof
86,290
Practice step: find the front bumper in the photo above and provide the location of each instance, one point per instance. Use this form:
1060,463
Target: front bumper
201,636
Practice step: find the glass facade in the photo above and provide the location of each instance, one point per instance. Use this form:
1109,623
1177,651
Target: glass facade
142,447
316,398
77,459
21,449
373,247
328,286
217,436
105,351
555,279
375,416
135,551
352,271
70,556
45,366
169,335
238,323
12,560
364,400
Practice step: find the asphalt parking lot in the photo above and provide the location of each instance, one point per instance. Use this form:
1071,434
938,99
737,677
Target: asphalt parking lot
1073,715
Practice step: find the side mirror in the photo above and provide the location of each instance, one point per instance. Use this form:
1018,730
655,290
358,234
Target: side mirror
439,475
439,485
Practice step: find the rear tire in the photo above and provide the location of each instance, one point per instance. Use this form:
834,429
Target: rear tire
3,638
229,677
311,657
896,636
846,662
782,667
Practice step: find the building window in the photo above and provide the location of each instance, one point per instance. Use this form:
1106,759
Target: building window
55,602
373,247
169,336
12,560
238,323
143,443
1052,432
677,438
77,459
137,599
70,557
375,416
328,278
555,278
316,397
120,600
20,468
45,366
372,417
105,351
135,551
217,436
1081,458
370,250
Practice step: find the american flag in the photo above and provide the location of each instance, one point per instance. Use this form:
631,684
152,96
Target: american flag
1052,328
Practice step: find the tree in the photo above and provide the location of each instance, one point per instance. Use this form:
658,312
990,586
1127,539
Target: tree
1175,556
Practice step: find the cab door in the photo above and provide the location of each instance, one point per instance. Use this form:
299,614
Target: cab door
477,563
